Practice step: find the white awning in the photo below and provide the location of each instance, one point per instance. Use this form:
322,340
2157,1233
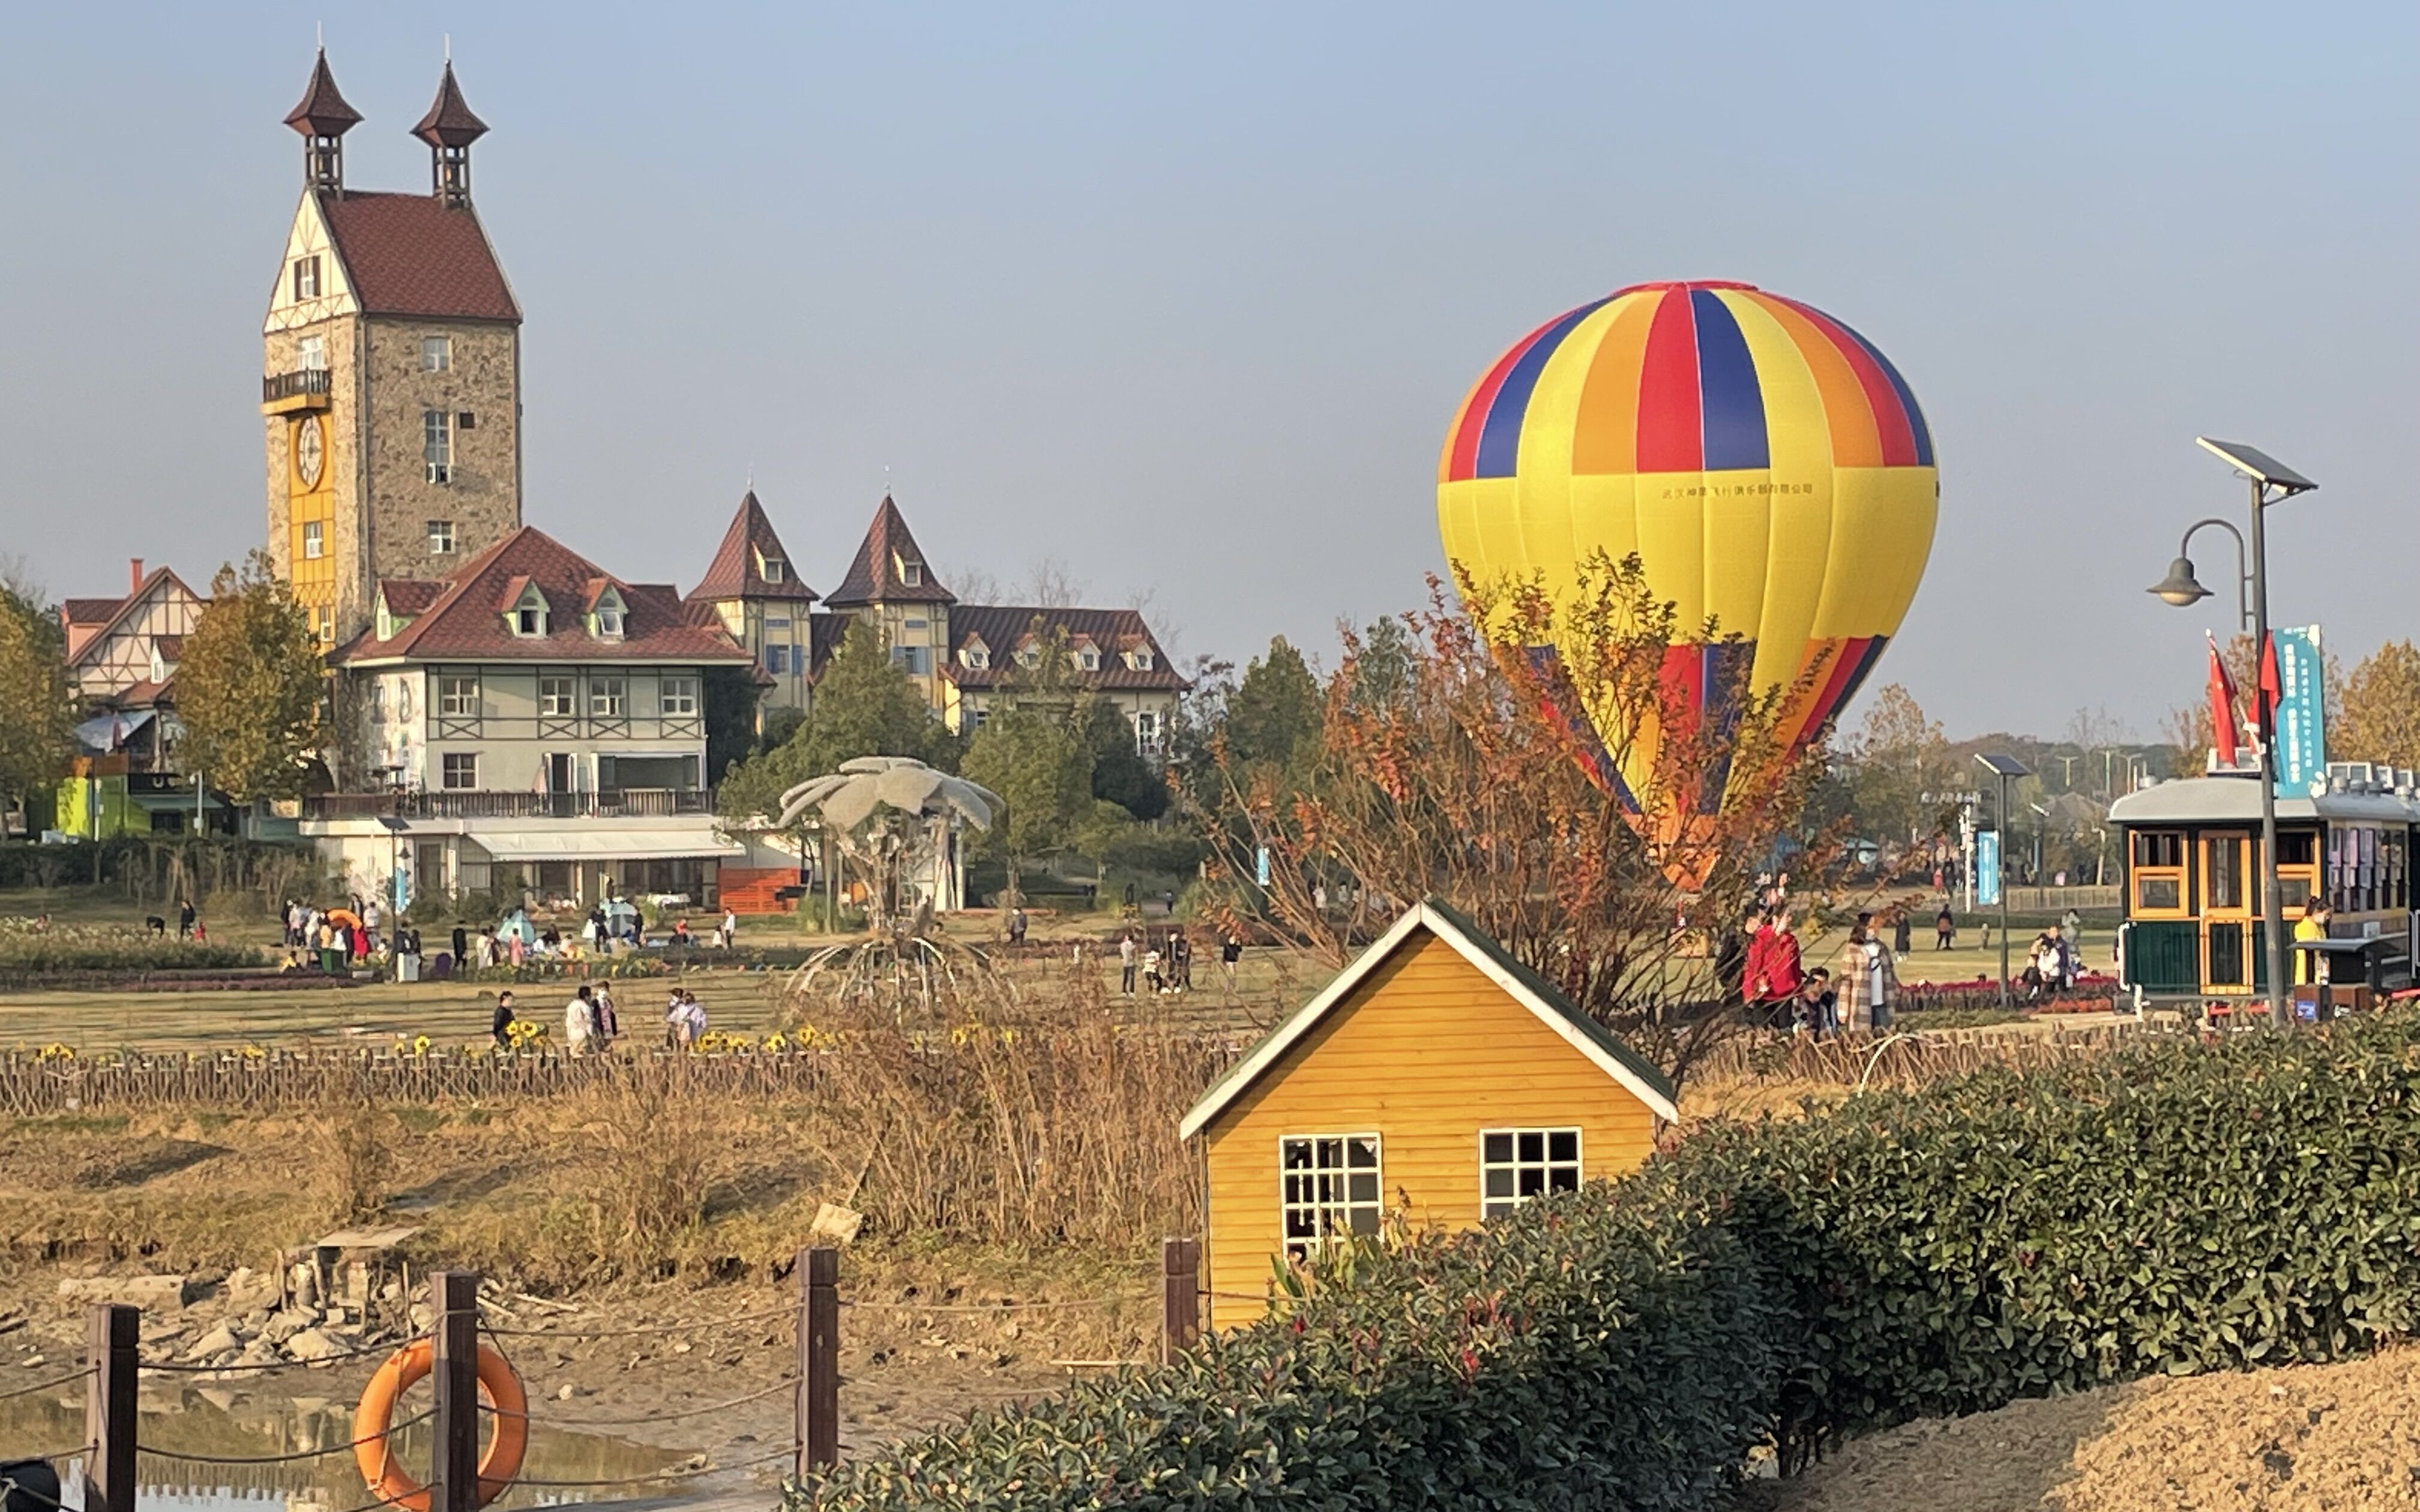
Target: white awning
594,844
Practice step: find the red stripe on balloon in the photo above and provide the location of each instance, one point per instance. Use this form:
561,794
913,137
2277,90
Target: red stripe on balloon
1850,658
1671,434
1882,396
1462,462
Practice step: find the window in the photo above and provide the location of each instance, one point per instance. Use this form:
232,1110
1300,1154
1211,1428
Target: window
327,625
2159,847
1146,730
609,620
2166,894
606,697
2226,871
777,621
1088,659
459,697
528,617
311,354
777,658
1328,1189
911,574
461,771
1515,1164
435,353
917,661
915,624
680,695
976,655
1028,657
467,420
437,444
441,537
771,568
558,696
306,278
315,540
1140,658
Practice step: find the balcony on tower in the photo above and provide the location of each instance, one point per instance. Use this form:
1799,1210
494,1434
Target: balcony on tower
286,393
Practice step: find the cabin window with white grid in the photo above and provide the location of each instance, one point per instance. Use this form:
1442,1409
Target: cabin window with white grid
558,696
1515,1164
609,621
461,771
1328,1189
306,278
606,695
435,353
311,354
315,540
680,695
458,697
437,444
441,537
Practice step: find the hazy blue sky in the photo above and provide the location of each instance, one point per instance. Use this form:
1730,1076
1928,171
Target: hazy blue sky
1185,297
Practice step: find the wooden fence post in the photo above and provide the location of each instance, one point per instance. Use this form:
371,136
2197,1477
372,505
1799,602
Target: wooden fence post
454,1486
818,1407
1180,1299
109,1336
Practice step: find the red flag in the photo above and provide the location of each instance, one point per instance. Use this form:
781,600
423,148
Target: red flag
2267,693
2222,707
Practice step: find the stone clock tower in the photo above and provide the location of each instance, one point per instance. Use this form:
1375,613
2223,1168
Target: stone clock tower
391,361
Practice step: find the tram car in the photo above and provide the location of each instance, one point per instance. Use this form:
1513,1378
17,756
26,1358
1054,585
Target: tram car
2193,891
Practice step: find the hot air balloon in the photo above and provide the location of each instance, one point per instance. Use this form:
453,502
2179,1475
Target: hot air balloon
1768,465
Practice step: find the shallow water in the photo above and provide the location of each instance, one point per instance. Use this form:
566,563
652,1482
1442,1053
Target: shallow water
226,1423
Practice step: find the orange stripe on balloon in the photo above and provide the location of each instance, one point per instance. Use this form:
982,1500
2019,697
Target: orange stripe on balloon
1604,424
1890,416
1848,408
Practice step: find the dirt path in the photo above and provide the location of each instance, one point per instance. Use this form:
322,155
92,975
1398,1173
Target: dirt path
2337,1438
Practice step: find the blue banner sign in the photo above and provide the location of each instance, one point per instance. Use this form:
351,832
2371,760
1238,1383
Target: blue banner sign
2302,765
1987,868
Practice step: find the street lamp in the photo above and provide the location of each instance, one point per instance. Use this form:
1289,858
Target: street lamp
2272,483
2003,768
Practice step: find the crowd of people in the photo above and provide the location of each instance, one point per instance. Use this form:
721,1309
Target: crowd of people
591,1023
1853,994
1162,961
340,939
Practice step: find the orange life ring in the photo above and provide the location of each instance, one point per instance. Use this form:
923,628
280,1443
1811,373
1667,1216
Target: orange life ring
498,1463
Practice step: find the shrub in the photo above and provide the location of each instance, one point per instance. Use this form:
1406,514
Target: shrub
2172,1207
28,949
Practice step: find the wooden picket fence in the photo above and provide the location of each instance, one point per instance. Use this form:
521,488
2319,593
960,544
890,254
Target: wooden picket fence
34,1086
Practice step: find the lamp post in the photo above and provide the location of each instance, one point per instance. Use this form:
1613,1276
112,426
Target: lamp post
2272,483
2003,768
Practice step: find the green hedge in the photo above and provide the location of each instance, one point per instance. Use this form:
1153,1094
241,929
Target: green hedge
2172,1207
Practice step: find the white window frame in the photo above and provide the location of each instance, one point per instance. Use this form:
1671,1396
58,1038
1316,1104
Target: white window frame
558,696
1324,1195
469,767
777,658
1088,659
441,537
437,444
529,616
306,277
1545,1167
315,540
771,568
1146,723
1139,659
611,618
311,353
911,573
436,354
977,656
677,697
458,696
609,695
328,625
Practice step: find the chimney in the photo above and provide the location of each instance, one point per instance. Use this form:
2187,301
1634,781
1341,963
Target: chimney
134,574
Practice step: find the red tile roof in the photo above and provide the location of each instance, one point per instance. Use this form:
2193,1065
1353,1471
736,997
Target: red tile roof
874,575
408,596
106,612
466,619
323,110
449,122
89,610
732,572
412,254
1004,628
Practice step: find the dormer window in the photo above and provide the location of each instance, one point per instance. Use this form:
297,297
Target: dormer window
911,574
1140,658
607,620
1028,657
1087,658
975,655
772,569
529,615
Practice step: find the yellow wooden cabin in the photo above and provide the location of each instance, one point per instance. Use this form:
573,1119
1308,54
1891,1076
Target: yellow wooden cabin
1436,1077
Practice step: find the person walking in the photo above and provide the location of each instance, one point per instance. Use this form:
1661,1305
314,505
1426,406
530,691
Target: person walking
608,1024
184,918
1230,951
1867,976
730,930
1016,926
501,1025
372,915
579,1020
2311,966
1901,927
1126,964
1945,929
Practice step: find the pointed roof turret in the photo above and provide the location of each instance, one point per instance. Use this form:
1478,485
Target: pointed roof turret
449,122
750,563
890,568
323,110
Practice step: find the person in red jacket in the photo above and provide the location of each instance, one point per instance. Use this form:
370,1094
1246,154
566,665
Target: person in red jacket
1774,970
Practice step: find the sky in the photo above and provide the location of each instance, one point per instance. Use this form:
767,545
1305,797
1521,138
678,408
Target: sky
1180,299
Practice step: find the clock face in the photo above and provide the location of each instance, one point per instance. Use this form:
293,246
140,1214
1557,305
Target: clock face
309,451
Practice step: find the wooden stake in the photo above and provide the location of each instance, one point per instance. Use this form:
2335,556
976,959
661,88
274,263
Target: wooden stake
1180,1305
111,1335
454,1486
819,1407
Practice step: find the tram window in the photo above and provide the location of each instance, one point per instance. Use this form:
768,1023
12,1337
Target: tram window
2296,891
2159,847
2297,847
2158,892
2227,874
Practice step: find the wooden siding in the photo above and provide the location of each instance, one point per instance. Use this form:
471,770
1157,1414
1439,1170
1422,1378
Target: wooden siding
1427,1052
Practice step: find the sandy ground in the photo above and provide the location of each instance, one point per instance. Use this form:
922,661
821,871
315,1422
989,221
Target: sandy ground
2336,1438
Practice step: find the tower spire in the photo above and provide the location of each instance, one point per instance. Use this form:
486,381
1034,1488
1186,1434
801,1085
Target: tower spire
449,129
322,119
